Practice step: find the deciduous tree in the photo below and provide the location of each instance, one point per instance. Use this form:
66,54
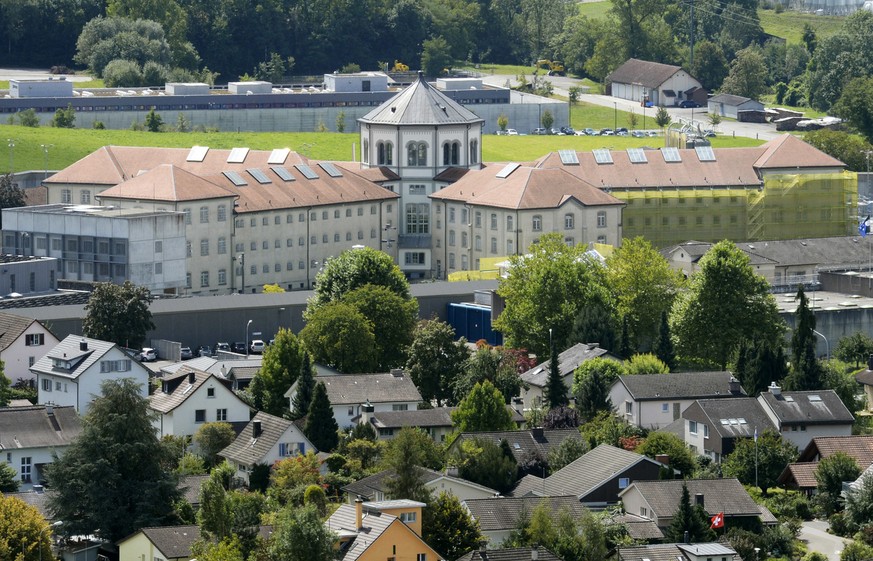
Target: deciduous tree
448,527
299,533
663,443
280,366
393,318
565,453
830,474
483,410
495,364
772,455
119,314
339,336
436,360
646,364
747,76
435,56
24,533
855,348
212,439
486,463
110,481
854,105
321,427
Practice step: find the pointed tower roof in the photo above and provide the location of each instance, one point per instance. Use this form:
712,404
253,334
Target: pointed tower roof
420,104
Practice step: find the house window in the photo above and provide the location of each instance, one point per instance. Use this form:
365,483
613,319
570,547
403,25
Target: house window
221,414
210,392
414,258
200,416
204,279
222,213
644,512
26,467
474,151
478,243
623,482
222,246
66,196
692,427
34,339
601,219
85,197
421,557
537,223
417,190
601,239
351,410
665,408
416,154
385,153
285,449
463,239
629,407
187,212
407,517
204,247
493,245
222,277
493,221
46,385
451,215
204,214
569,221
400,407
417,218
705,431
509,224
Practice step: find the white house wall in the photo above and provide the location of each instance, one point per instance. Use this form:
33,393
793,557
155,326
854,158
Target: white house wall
182,419
801,438
344,413
18,356
461,491
41,455
633,503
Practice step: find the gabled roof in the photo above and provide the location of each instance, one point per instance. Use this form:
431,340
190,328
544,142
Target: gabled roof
11,328
177,388
838,250
787,150
676,551
568,361
855,446
378,482
37,499
173,541
865,377
696,250
730,99
436,417
354,389
820,407
248,450
501,513
70,349
190,487
591,470
638,528
801,474
524,189
510,554
719,495
36,427
643,72
684,385
375,523
523,443
420,104
732,417
167,182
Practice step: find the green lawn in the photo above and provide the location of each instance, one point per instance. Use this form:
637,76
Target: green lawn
70,145
511,69
789,25
4,84
594,9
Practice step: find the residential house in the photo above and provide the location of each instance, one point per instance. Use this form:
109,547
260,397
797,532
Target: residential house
437,422
376,531
532,553
802,416
239,371
375,487
597,477
72,371
732,106
265,440
392,391
38,498
654,402
525,444
686,256
498,516
711,427
710,551
660,84
537,378
165,543
22,341
801,474
659,500
30,437
190,485
190,398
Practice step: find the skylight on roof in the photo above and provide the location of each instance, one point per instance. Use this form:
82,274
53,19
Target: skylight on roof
814,397
235,178
725,422
306,171
507,170
742,421
237,155
671,154
278,156
602,156
637,155
197,154
705,153
259,176
516,445
330,169
789,399
569,157
283,173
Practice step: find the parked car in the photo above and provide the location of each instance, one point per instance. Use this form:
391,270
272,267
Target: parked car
622,133
223,347
204,350
239,347
257,346
539,130
638,134
709,134
591,132
620,130
511,132
569,131
185,353
556,132
688,103
148,354
607,132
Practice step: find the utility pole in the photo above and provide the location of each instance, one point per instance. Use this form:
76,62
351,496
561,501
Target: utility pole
691,56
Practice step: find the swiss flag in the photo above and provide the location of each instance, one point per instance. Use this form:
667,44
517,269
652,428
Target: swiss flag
718,521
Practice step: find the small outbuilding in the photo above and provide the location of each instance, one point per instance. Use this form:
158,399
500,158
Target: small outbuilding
728,105
654,83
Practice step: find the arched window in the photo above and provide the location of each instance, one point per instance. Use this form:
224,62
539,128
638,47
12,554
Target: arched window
366,154
389,154
463,239
422,154
569,221
446,154
380,149
416,154
509,224
456,153
474,152
537,223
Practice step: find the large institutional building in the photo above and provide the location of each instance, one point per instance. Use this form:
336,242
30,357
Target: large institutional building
420,193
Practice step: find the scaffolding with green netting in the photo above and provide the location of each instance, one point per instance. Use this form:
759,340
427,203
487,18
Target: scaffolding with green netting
783,206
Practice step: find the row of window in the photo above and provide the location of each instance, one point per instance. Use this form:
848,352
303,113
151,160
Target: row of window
204,214
200,415
277,244
313,216
416,153
681,220
536,220
84,196
73,244
102,270
680,200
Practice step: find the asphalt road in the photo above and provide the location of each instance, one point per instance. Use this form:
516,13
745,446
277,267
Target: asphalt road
817,538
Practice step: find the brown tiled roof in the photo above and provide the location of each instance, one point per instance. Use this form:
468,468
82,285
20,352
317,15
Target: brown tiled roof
166,182
859,447
113,165
379,174
510,554
801,475
787,151
643,72
451,174
524,188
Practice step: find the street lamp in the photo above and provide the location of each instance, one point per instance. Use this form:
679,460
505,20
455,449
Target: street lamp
615,115
247,338
242,268
11,142
757,549
39,541
827,345
45,151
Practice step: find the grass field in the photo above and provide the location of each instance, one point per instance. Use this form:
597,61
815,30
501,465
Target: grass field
69,145
594,9
4,84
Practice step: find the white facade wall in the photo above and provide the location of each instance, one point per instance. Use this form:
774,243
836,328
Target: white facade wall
460,490
659,414
181,421
291,436
698,441
801,438
33,457
19,356
633,92
634,503
679,83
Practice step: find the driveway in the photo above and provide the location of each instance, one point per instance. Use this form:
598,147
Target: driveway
815,534
37,74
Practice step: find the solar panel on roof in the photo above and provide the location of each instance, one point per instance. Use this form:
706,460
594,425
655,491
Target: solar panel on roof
671,154
306,171
507,170
602,156
283,173
705,153
637,155
235,178
259,176
569,157
197,153
330,169
278,156
237,155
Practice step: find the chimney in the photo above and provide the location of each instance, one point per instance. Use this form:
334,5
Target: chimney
483,553
359,513
534,552
49,409
687,537
397,372
734,386
870,362
537,433
698,499
663,458
256,429
191,378
452,471
83,345
774,389
366,412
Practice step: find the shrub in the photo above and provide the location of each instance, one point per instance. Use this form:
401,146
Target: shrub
122,73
